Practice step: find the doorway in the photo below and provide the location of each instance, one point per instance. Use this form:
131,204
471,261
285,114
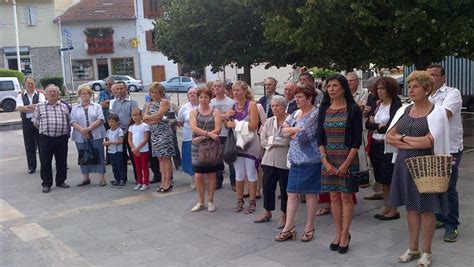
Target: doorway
158,73
102,68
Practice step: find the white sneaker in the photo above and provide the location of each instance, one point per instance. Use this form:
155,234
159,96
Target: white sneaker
211,207
137,187
192,185
144,187
198,207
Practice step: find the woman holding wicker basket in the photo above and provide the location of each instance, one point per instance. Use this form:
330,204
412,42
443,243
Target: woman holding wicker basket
419,129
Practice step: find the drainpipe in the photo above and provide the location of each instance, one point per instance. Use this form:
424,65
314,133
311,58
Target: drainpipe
18,61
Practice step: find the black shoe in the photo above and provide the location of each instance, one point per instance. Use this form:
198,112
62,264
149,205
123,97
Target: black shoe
334,247
394,217
114,182
343,250
46,189
31,171
85,182
64,185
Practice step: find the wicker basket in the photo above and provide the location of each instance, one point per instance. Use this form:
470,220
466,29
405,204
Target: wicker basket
430,173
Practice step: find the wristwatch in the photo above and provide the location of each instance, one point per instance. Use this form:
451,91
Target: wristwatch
403,136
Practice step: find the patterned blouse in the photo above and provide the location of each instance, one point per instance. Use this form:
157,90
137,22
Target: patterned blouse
304,149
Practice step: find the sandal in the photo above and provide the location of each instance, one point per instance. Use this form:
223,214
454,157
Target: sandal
283,236
102,183
408,256
323,211
251,208
425,260
307,236
240,205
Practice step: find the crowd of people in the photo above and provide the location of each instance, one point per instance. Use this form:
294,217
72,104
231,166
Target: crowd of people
308,141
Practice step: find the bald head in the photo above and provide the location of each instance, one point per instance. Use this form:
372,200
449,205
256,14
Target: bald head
289,90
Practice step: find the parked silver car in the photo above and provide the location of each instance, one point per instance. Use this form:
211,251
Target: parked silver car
180,84
9,90
133,84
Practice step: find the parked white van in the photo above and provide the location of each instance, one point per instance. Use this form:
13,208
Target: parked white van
9,90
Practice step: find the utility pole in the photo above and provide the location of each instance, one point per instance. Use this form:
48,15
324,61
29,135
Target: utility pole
61,52
18,61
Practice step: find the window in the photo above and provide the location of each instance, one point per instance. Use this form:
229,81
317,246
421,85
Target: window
151,9
150,40
99,40
174,80
6,86
186,79
25,60
123,66
82,70
31,17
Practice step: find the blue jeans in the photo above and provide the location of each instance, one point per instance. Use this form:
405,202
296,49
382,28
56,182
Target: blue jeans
451,220
116,160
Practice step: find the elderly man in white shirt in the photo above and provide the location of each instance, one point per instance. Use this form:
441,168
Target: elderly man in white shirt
450,99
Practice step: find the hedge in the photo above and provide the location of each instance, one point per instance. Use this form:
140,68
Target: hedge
58,81
13,73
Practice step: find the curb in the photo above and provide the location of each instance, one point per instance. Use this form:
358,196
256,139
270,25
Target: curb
10,125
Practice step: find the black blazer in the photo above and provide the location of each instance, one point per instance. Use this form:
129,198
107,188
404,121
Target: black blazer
263,102
394,106
353,132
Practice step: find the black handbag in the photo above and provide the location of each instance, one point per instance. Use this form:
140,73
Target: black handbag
89,155
230,148
360,177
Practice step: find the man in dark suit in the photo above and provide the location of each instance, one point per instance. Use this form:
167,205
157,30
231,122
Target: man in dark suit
270,90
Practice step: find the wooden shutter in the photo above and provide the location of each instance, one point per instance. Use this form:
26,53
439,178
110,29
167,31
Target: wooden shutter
149,40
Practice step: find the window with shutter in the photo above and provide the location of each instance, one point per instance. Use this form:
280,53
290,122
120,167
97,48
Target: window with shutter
150,37
31,16
151,9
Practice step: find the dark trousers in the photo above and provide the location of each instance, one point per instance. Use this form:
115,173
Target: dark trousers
49,147
154,164
107,127
116,160
272,176
177,157
220,174
127,153
451,220
31,140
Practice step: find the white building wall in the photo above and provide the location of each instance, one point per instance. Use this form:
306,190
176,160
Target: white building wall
150,58
258,75
124,31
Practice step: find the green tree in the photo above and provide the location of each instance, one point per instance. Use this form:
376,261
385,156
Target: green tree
348,34
209,32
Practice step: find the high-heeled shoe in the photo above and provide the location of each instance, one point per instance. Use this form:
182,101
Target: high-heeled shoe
334,247
307,236
166,190
343,250
283,236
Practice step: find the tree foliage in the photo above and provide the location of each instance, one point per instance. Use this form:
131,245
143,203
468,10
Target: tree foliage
209,32
342,34
348,34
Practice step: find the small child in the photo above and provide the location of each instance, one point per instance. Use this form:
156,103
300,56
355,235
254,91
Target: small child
138,135
114,141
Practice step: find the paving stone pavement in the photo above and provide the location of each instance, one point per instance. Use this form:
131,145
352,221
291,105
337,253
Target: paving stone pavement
106,226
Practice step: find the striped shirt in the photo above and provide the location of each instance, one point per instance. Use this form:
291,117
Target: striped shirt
52,119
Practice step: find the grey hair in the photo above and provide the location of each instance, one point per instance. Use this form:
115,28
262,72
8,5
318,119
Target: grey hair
273,79
354,74
280,100
51,86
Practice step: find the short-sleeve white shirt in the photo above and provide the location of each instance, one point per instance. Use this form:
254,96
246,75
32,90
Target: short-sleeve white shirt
223,105
183,116
450,98
138,134
114,135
